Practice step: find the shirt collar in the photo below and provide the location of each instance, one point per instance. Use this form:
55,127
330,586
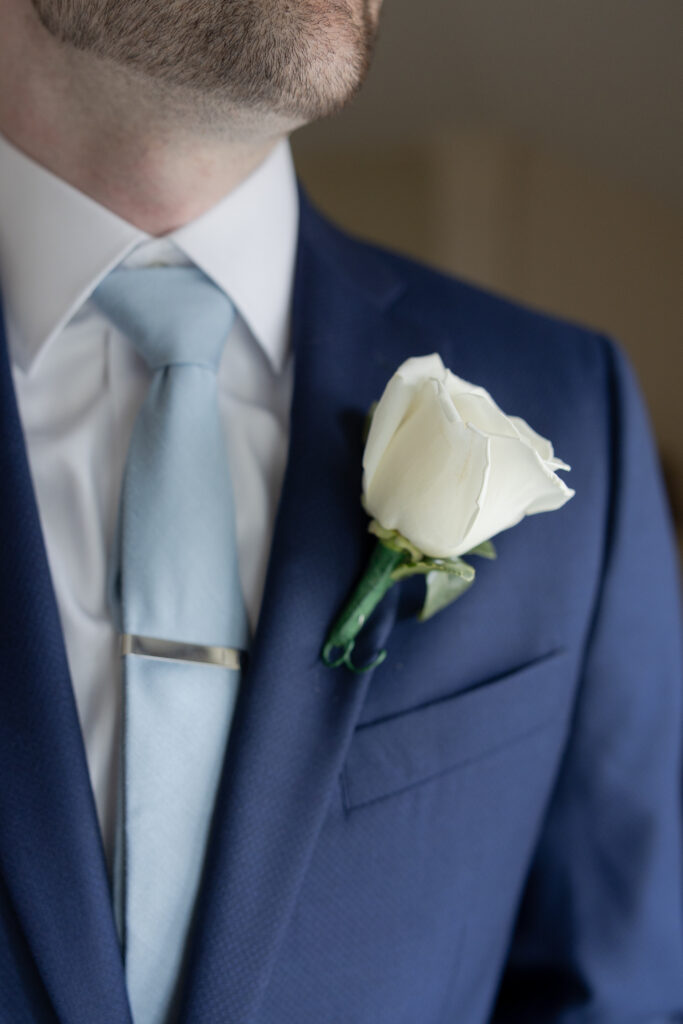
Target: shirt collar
57,244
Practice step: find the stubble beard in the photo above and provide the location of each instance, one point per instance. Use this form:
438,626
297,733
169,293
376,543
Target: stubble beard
296,60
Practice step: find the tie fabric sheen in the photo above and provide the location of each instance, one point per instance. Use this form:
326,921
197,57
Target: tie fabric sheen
174,577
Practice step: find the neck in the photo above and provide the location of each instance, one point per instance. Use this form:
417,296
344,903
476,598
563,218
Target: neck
152,155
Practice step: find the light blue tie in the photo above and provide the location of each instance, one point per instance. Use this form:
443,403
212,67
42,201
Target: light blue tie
174,583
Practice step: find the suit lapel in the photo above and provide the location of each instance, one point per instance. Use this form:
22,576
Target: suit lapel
295,717
50,849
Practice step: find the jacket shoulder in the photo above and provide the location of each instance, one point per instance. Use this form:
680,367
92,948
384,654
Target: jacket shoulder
474,325
445,301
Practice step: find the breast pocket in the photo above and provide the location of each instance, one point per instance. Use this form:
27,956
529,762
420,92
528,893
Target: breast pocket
400,752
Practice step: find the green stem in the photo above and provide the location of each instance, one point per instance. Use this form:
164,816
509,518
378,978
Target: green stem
376,580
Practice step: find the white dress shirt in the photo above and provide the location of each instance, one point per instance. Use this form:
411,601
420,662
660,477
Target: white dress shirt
79,384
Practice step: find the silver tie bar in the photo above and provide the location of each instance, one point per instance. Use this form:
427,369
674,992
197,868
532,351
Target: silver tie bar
177,650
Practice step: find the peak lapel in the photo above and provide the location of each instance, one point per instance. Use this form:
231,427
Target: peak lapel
50,849
295,717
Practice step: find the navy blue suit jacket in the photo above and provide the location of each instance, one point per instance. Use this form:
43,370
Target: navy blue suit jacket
486,827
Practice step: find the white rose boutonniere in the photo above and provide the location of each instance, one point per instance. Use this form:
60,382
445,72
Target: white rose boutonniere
444,470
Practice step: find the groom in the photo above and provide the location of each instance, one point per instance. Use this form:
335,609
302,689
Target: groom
485,827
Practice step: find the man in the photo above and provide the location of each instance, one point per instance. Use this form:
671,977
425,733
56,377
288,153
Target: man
485,827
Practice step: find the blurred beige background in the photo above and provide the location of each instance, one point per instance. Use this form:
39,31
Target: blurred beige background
534,147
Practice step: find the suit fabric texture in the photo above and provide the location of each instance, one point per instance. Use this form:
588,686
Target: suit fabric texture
485,827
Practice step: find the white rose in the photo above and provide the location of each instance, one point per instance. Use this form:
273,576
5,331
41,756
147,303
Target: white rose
447,468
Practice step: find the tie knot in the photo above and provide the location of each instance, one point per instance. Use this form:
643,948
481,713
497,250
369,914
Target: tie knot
171,314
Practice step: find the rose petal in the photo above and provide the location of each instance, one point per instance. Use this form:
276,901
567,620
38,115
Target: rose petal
431,478
420,368
519,484
556,463
388,415
555,497
459,386
539,443
394,405
482,412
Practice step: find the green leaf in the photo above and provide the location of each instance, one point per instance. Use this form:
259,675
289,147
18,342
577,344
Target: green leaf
454,566
407,569
442,589
484,550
